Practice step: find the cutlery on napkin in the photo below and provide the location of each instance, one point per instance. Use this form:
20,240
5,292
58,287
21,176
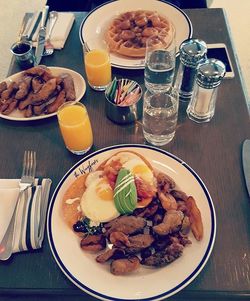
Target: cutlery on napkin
30,213
60,31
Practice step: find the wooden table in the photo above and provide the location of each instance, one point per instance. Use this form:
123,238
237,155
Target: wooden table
213,150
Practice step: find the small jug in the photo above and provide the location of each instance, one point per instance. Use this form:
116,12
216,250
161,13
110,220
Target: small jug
23,53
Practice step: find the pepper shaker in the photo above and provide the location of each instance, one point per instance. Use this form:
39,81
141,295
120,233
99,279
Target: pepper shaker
201,107
192,52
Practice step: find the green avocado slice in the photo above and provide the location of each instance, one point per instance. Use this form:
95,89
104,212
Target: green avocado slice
125,194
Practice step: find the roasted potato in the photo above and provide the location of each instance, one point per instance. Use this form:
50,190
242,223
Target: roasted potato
36,92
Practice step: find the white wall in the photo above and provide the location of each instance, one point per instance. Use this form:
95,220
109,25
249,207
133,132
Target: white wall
238,14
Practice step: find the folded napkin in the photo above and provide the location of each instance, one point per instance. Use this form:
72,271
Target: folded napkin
30,212
60,31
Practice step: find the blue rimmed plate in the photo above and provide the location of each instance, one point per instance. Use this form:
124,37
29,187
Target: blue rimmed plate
97,21
146,283
80,89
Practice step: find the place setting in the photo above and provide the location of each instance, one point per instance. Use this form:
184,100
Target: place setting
50,30
45,31
133,205
24,204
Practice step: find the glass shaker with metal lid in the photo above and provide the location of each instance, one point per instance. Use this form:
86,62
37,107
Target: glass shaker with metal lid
192,52
201,107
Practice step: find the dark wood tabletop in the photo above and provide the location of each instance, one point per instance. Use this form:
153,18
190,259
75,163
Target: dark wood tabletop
212,149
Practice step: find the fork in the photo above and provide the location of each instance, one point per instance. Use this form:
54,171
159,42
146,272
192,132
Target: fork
49,48
21,37
27,180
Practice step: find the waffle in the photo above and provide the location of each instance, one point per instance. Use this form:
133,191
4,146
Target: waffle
128,32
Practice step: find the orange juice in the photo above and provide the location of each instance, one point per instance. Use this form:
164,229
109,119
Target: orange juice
98,68
75,127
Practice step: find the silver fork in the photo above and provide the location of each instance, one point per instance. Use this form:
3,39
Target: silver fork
49,48
27,180
22,29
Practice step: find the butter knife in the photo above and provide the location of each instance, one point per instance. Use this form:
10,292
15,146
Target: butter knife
41,36
246,163
34,24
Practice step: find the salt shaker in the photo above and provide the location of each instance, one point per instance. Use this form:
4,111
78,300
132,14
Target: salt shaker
201,107
192,52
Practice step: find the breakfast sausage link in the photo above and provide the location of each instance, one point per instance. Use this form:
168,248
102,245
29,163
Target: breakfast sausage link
6,94
125,265
125,24
141,21
3,86
156,21
149,31
60,99
127,35
11,107
93,243
5,104
28,111
68,85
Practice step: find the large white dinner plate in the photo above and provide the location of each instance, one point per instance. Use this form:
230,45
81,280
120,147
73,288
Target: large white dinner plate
146,283
80,88
97,21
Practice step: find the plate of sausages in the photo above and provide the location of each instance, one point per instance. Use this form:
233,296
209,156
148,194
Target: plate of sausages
38,92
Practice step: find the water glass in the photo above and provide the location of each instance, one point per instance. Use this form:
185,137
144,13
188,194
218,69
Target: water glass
23,53
160,114
75,127
160,62
97,64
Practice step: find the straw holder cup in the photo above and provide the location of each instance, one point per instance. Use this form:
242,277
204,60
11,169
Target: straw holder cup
123,113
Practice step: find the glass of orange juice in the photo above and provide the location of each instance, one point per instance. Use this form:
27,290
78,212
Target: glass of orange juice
75,127
97,64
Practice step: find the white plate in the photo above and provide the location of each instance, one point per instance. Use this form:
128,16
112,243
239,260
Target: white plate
97,21
80,88
146,283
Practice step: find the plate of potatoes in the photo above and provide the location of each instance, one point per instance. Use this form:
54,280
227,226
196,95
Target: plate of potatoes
38,92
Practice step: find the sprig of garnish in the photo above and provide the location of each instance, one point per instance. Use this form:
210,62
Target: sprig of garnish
85,226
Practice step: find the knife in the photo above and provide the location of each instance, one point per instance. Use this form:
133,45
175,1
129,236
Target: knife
41,36
34,24
246,163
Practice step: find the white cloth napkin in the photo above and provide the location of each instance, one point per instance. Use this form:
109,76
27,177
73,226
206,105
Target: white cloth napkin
30,213
60,31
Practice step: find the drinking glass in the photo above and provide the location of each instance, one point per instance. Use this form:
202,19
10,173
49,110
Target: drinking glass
160,62
75,127
97,64
160,113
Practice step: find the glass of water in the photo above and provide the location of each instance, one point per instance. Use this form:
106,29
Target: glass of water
160,114
160,62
